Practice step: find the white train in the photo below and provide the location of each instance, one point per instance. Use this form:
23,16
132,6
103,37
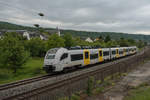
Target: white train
58,59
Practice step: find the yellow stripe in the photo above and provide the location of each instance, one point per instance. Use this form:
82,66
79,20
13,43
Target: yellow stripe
117,53
100,57
86,60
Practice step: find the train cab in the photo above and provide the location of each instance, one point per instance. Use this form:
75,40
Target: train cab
55,58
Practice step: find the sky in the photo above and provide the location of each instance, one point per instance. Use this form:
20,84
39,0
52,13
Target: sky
128,16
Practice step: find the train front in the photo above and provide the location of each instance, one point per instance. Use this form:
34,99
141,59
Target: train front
50,60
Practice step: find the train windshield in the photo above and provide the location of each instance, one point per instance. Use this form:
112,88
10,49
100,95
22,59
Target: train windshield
50,56
53,51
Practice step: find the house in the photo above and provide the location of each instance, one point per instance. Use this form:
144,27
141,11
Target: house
96,39
26,34
23,33
89,40
42,37
32,34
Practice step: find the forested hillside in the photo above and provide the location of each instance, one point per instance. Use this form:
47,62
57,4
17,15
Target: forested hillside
10,26
113,35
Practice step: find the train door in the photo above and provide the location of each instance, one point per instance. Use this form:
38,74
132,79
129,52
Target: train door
101,55
124,52
86,54
64,60
117,53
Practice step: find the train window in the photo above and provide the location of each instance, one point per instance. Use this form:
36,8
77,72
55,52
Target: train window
53,51
86,55
100,53
65,55
93,56
135,49
113,52
105,53
75,57
121,52
50,56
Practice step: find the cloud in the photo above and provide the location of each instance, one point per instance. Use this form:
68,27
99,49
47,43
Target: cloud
129,16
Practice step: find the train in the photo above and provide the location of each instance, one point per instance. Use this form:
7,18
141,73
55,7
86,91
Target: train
59,59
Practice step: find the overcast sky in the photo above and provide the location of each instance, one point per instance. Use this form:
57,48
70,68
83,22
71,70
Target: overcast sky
128,16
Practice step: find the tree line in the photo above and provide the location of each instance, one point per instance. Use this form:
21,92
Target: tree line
15,49
113,35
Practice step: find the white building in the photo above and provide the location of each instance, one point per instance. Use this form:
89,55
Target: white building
26,34
89,39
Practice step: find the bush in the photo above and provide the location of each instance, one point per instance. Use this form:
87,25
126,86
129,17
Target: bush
75,97
36,47
55,41
90,86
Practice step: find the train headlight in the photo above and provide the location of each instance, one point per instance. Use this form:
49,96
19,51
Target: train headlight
46,62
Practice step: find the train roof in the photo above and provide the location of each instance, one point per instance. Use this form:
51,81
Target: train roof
54,50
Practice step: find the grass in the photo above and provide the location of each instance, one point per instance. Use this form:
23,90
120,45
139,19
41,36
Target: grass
32,68
140,93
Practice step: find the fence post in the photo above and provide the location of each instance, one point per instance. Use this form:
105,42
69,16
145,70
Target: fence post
112,72
119,71
69,89
102,76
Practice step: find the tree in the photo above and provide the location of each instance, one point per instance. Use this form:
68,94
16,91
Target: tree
123,42
131,42
12,52
107,38
140,44
111,44
69,41
100,38
55,41
145,43
36,47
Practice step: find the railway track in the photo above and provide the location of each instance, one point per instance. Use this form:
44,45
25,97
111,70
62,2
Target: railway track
56,85
23,82
29,80
40,78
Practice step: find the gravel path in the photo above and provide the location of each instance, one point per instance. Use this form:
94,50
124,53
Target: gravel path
133,79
